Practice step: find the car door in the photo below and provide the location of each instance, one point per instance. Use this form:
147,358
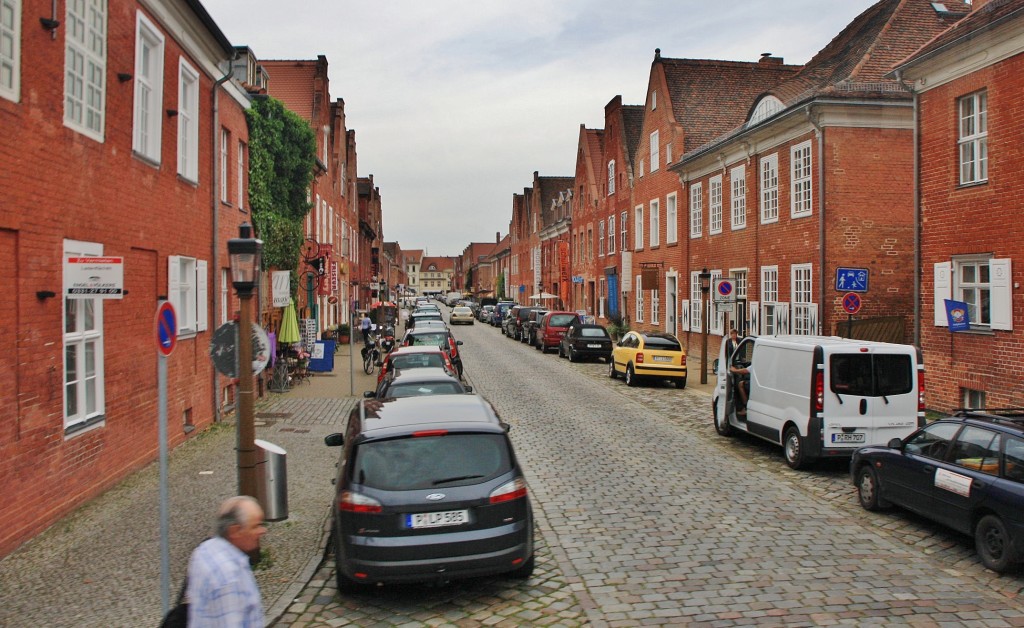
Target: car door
962,484
908,479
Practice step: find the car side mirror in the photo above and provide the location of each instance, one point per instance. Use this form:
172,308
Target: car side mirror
458,342
469,389
714,365
334,440
369,394
895,443
506,426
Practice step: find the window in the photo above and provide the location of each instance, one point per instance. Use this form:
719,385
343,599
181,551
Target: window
639,293
738,197
933,441
973,399
85,66
590,244
800,202
225,141
623,221
149,79
973,138
186,290
10,49
871,375
715,204
240,166
770,189
805,313
655,237
983,284
188,121
696,299
327,146
978,449
84,400
696,211
668,153
611,234
769,299
640,169
671,219
638,228
611,177
654,100
655,151
655,307
600,238
225,296
973,288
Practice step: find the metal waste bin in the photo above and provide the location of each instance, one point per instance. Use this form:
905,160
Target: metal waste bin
272,480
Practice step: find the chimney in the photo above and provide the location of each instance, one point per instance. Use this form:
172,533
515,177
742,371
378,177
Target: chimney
497,237
768,59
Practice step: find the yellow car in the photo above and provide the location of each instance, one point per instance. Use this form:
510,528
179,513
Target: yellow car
461,314
651,355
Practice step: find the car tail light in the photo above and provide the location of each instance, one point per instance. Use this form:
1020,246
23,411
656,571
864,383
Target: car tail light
452,346
424,433
350,501
509,491
920,391
819,391
639,358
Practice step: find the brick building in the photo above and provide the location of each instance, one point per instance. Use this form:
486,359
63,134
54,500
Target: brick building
122,142
370,240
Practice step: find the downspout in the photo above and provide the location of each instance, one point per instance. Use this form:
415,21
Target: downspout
820,132
215,207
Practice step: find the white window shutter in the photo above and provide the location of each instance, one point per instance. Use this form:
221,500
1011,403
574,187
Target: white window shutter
943,290
782,318
1002,294
173,286
754,320
684,315
202,303
812,313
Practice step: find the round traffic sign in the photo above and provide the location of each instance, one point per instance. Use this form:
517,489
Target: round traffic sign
166,328
725,287
851,302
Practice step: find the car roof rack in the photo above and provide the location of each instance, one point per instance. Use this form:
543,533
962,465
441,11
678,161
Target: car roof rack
1010,416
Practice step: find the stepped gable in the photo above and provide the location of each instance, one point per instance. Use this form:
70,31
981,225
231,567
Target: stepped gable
291,82
550,188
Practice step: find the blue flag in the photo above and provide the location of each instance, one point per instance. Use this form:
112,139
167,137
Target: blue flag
957,315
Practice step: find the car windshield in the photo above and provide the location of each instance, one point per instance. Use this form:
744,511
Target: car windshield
593,332
427,462
418,360
871,375
561,320
429,340
661,343
418,389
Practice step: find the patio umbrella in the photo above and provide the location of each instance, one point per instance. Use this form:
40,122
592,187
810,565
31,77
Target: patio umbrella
289,326
544,295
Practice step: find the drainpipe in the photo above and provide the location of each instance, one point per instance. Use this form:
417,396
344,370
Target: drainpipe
917,211
823,280
215,210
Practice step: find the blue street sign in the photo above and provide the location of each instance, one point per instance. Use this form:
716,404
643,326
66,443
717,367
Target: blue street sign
166,328
851,279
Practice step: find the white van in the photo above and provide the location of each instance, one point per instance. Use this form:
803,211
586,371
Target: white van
819,396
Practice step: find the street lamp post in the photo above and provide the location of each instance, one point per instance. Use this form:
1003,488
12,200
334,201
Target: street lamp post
705,287
245,252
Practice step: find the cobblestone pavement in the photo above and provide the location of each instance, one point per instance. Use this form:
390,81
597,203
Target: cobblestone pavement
647,517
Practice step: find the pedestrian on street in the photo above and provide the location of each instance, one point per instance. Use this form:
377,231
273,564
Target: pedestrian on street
222,589
364,326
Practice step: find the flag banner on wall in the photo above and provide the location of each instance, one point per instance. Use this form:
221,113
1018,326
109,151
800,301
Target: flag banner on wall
957,315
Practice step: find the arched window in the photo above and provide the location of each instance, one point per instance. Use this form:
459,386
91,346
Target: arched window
766,108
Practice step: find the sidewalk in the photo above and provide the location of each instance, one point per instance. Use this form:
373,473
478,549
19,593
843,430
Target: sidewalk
100,566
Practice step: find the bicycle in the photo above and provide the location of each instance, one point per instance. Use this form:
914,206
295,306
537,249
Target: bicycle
371,355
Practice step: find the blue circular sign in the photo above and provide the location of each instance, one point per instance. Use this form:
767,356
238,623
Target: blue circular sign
851,302
166,328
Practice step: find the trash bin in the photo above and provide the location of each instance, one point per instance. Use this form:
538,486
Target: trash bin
272,480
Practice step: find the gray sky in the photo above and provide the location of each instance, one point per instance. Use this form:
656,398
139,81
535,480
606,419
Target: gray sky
456,102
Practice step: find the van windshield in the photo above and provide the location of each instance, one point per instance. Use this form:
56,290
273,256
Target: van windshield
561,320
427,462
867,375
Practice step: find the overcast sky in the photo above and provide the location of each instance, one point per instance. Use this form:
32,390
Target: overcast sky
455,103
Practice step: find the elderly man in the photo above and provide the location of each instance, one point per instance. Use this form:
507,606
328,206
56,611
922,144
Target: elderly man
222,589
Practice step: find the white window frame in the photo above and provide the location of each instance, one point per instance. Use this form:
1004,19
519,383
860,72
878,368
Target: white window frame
240,173
696,299
149,89
654,99
611,177
611,234
655,215
738,197
696,210
801,170
716,319
600,238
972,137
10,39
715,204
668,154
671,218
225,144
770,189
655,151
769,299
187,292
624,226
88,378
950,283
638,227
804,319
225,294
188,121
655,307
85,67
638,293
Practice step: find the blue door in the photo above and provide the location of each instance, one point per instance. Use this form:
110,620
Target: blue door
613,295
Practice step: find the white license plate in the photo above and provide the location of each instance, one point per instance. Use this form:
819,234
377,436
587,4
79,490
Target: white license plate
662,358
437,519
597,346
847,438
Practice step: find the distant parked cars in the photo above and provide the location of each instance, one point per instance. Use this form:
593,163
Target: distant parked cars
484,314
551,328
417,383
461,314
436,338
530,325
585,341
649,355
501,310
513,325
416,357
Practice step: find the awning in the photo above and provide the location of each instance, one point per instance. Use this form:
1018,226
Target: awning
544,295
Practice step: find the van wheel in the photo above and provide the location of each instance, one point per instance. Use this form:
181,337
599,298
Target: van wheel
993,543
630,376
793,447
722,425
868,489
611,368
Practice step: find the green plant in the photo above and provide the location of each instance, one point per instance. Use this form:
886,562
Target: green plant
618,326
499,291
344,329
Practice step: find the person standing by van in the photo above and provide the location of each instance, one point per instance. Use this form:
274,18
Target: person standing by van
731,342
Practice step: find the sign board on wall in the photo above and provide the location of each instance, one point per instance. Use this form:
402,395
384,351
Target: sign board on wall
93,277
280,282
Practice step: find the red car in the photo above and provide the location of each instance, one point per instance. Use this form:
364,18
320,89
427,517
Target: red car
416,357
551,329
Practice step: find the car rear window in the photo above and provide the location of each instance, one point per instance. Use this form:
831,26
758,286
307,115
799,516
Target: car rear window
593,332
561,320
661,344
424,388
411,463
421,360
871,375
429,340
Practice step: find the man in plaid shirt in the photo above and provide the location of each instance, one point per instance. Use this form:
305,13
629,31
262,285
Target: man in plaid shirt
222,589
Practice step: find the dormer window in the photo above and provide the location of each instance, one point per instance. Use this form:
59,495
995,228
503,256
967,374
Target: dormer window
766,108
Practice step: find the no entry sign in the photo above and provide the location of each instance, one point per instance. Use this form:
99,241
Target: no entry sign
851,302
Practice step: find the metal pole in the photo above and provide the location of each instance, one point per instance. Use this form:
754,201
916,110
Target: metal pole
246,427
704,334
165,553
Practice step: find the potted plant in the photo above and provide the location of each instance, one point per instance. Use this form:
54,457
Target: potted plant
617,327
344,333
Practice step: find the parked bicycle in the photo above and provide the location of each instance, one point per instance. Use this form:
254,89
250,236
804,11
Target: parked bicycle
371,353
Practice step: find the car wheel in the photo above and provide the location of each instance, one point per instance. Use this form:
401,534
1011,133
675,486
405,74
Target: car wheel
524,571
993,543
868,489
793,448
630,376
611,368
539,346
561,353
680,382
722,425
572,355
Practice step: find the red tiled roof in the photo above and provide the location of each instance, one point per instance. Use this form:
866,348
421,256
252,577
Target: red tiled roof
442,263
981,19
632,128
292,82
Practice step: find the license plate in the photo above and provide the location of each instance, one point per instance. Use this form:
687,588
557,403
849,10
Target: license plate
662,358
847,438
594,346
437,519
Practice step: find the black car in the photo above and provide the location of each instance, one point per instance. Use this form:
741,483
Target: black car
501,310
437,337
965,471
528,334
517,317
417,382
423,315
428,490
585,341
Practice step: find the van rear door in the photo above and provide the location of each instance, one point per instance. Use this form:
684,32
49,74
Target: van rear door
870,395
